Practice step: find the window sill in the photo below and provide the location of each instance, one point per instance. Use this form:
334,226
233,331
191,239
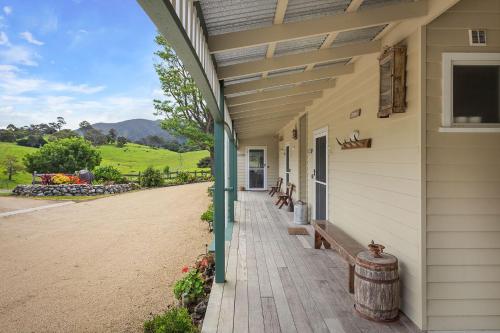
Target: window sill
469,129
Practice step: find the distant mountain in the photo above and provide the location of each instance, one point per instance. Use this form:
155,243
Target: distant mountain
136,129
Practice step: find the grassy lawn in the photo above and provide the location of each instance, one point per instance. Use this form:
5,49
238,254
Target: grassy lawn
130,159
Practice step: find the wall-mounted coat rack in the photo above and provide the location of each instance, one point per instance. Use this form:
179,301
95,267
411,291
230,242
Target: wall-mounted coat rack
355,143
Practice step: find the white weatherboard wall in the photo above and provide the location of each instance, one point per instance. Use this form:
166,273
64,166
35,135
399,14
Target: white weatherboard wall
286,134
375,194
271,143
463,188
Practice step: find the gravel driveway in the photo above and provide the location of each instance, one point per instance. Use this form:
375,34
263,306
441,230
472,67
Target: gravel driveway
98,266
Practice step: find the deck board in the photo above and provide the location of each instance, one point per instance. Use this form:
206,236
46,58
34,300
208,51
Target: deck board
276,282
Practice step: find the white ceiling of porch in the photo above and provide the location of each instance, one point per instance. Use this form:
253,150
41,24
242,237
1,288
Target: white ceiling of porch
224,18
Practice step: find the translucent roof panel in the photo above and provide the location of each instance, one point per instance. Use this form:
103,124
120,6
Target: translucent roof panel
300,10
241,55
358,35
222,16
299,45
379,3
242,79
286,71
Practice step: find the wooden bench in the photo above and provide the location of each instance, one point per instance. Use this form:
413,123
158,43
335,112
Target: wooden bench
331,236
285,198
276,188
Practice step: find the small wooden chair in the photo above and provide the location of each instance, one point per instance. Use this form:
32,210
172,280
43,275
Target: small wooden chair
277,187
285,198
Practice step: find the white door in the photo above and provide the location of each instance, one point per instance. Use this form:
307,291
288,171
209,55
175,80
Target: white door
320,174
257,168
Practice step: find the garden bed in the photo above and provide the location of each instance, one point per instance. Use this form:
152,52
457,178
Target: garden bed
69,190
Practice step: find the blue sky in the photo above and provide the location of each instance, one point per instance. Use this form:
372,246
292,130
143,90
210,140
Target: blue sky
79,59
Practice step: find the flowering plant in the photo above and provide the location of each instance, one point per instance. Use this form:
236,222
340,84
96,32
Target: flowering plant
75,180
60,179
190,287
46,179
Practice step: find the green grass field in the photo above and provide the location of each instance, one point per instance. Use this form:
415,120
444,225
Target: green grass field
132,158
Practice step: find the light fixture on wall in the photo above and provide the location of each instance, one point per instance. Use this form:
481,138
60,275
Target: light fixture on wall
294,133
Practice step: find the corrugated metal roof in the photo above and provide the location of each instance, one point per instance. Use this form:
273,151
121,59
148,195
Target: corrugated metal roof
242,79
300,10
299,45
286,71
358,35
241,55
378,3
223,16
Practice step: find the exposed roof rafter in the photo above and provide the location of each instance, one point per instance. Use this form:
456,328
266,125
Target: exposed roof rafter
269,95
316,74
276,102
296,60
257,114
285,107
317,26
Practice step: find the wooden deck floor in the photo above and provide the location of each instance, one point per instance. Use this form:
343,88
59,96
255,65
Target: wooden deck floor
279,283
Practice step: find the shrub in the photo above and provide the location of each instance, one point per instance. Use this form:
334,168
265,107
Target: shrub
166,169
32,141
175,320
152,177
60,179
184,177
65,155
121,141
109,174
208,215
205,162
190,287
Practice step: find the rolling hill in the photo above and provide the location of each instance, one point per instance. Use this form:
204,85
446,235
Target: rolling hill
130,159
136,129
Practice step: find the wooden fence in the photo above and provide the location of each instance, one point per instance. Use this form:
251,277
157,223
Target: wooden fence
135,177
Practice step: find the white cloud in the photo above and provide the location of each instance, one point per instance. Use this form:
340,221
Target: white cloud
4,40
28,36
7,10
19,55
12,83
70,87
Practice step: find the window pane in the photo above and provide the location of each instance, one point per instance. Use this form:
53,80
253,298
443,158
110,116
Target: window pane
476,94
256,158
321,159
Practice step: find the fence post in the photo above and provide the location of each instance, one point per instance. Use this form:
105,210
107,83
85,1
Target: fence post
139,178
33,178
195,174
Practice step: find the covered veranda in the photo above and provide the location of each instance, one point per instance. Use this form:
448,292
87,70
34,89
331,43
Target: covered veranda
278,282
260,64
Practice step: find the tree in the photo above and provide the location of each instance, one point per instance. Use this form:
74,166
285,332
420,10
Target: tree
63,134
121,141
85,125
95,136
7,136
186,113
65,155
111,135
32,140
11,166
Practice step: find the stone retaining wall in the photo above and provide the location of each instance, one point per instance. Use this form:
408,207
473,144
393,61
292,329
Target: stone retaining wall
71,190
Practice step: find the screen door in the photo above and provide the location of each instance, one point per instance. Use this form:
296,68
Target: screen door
320,176
256,169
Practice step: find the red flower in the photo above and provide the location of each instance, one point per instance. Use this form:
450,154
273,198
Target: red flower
185,269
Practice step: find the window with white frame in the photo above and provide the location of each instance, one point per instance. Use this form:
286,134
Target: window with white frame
471,91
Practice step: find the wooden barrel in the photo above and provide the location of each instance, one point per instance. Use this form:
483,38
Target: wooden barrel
376,286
